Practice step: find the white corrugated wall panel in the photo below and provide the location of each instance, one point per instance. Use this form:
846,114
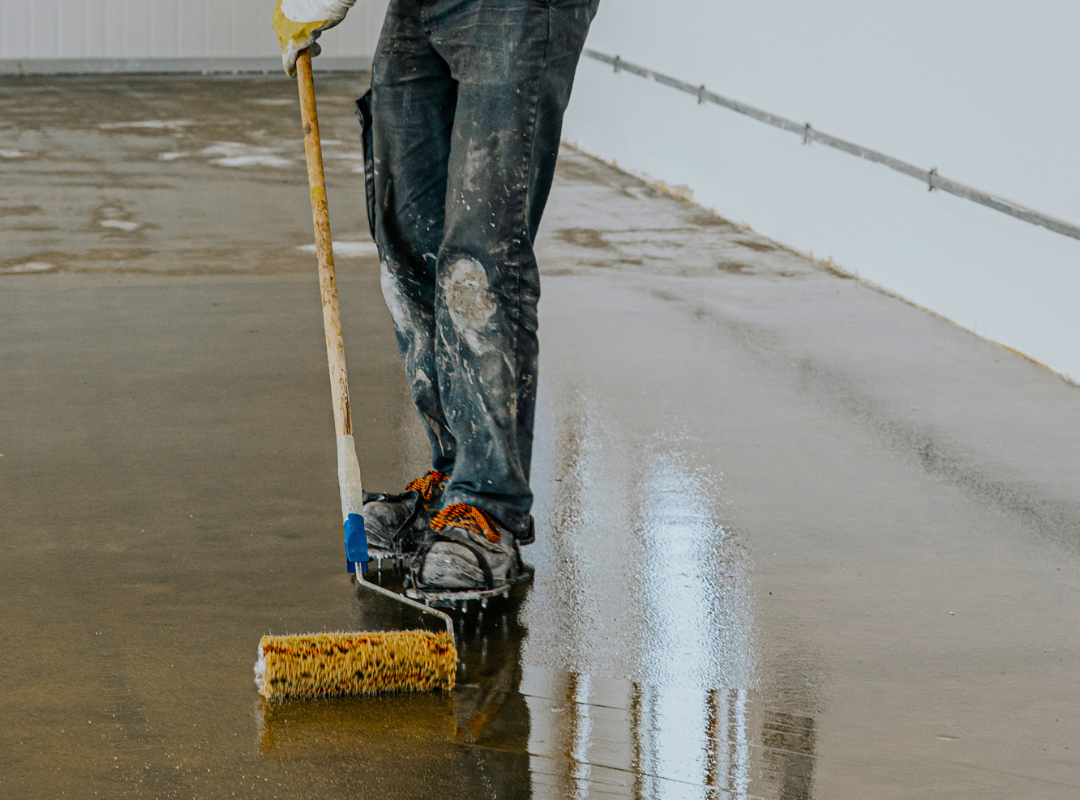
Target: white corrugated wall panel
981,90
113,27
165,29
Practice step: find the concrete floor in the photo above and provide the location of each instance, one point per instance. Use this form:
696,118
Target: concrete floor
797,538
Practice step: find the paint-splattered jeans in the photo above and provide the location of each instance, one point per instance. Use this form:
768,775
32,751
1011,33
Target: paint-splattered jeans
462,132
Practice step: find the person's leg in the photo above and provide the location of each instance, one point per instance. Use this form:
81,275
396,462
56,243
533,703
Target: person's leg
412,108
514,63
407,120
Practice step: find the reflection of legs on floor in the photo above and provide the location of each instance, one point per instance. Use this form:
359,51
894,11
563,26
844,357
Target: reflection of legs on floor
789,741
490,709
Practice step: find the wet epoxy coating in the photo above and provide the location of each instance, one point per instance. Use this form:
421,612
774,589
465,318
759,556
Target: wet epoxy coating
797,539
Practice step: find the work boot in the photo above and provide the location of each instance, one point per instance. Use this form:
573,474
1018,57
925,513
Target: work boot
466,551
395,523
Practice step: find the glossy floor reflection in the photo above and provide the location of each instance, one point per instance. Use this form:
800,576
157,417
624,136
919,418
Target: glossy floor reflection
518,730
797,539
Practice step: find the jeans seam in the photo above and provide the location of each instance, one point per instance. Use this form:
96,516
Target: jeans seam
526,202
526,208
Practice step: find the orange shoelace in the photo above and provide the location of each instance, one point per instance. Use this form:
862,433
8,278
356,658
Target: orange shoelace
471,518
426,484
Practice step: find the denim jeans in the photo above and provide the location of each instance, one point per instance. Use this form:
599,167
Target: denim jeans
461,135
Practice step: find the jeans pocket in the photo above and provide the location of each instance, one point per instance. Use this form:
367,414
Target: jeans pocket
363,113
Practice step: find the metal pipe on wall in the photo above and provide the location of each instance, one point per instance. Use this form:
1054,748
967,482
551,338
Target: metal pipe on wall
808,133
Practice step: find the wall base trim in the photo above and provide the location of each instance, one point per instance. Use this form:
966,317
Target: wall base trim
92,66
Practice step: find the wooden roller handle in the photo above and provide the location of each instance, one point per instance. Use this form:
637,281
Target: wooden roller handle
320,213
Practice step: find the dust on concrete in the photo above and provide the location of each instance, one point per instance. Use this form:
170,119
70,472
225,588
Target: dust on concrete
175,159
19,211
757,245
734,267
582,237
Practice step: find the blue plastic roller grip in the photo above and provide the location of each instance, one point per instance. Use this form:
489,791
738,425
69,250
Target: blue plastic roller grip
356,551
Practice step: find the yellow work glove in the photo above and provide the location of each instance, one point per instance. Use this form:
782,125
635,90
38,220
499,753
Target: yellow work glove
298,24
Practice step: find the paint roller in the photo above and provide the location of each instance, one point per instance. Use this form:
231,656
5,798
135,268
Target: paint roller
328,664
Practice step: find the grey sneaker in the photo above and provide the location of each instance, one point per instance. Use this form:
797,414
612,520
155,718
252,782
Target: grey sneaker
395,523
465,553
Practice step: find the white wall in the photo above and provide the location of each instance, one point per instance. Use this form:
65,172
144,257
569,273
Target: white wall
985,91
136,29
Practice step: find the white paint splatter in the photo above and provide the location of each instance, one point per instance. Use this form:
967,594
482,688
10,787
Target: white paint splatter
151,124
11,154
347,249
252,161
237,154
30,266
119,224
476,157
172,156
470,302
273,102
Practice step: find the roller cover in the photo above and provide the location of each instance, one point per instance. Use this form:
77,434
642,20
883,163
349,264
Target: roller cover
329,664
